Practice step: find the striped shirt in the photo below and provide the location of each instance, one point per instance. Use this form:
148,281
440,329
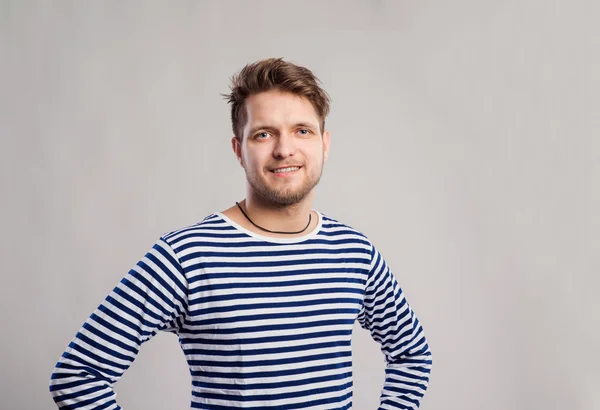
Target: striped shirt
264,322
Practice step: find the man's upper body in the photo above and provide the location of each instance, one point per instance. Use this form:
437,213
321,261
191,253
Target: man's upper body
263,295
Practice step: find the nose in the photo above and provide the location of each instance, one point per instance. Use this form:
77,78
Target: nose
284,146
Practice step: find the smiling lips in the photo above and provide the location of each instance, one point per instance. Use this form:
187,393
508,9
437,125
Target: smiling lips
283,172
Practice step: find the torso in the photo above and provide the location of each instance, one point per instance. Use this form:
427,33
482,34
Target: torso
270,315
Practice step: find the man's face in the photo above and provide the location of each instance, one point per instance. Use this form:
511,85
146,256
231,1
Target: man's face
282,130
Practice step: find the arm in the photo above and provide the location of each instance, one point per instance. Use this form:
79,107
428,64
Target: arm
151,297
393,324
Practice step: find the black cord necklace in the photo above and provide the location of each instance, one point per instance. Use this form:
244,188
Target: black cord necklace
260,227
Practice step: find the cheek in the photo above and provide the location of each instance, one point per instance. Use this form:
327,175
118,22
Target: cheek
318,155
312,151
254,162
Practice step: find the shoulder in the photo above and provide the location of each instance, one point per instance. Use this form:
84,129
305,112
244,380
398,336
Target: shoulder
332,225
208,223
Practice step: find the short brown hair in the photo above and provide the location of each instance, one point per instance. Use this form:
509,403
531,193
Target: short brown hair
269,74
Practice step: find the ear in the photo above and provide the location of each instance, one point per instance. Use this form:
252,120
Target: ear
326,144
236,145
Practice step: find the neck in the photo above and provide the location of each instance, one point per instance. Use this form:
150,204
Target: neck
276,217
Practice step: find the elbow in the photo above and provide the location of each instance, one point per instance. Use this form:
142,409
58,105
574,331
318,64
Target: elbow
62,384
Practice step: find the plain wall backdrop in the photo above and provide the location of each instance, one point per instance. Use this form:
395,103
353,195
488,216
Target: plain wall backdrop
465,144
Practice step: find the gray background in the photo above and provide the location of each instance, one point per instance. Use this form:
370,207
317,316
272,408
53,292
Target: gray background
464,144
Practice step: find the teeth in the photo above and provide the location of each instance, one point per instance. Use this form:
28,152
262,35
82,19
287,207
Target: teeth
286,169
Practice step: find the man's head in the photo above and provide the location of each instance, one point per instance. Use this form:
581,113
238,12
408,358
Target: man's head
269,74
278,115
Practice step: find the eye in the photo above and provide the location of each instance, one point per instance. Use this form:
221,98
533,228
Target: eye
304,131
260,135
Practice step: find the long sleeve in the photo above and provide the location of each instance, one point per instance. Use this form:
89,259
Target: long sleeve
151,297
393,324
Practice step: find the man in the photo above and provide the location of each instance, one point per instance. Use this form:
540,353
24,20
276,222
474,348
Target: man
264,294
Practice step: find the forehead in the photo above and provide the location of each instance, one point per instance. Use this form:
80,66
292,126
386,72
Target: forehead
279,108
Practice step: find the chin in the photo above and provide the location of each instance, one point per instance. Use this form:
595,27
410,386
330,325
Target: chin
285,198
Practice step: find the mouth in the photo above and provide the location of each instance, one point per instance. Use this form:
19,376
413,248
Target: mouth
286,171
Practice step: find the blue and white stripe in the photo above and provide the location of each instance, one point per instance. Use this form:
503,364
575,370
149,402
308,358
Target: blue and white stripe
264,323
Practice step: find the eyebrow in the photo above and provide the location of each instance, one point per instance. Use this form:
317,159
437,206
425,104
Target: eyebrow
253,130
